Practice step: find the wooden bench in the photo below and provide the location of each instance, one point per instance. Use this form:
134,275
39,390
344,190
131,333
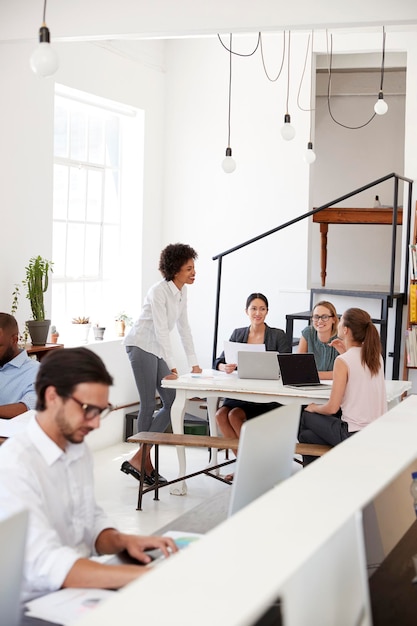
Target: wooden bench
198,441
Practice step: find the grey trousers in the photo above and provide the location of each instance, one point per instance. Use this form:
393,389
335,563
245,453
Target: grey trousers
321,429
148,371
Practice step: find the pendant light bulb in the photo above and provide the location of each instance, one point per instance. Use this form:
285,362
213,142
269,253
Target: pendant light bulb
44,60
380,107
309,154
287,131
228,163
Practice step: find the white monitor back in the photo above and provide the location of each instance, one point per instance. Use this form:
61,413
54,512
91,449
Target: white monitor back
331,587
13,542
265,454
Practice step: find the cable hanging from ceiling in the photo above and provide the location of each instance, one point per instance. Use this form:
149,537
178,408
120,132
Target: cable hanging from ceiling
272,80
380,107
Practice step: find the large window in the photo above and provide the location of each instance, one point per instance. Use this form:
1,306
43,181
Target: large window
98,153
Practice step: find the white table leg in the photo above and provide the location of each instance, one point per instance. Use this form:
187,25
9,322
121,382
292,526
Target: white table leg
177,421
211,409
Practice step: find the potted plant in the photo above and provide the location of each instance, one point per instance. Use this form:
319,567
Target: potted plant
54,334
122,320
81,326
36,283
98,332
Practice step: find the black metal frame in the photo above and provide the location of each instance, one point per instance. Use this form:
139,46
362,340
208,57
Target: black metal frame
390,298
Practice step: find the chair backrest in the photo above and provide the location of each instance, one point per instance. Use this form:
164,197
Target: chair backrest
265,454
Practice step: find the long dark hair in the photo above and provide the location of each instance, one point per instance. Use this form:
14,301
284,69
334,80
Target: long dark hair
364,332
254,296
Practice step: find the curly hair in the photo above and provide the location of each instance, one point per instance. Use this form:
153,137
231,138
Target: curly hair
173,257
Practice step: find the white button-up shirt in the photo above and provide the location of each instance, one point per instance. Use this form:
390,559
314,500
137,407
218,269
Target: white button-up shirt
57,488
165,306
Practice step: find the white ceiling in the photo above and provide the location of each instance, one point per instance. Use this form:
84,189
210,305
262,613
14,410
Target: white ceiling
136,19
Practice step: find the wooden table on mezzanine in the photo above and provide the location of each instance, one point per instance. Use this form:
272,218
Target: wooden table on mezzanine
344,215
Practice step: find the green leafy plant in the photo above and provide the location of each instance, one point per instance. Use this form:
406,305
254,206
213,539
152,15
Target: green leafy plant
36,283
123,317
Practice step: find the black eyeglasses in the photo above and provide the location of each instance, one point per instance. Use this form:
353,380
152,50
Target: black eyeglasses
91,411
324,317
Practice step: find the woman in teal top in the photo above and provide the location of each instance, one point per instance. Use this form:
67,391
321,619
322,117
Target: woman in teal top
318,338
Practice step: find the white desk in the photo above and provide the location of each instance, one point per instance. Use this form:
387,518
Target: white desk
282,532
212,384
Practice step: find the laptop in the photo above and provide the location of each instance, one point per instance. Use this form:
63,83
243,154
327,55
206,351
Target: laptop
300,371
13,542
260,365
265,454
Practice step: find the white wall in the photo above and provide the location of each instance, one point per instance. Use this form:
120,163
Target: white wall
187,197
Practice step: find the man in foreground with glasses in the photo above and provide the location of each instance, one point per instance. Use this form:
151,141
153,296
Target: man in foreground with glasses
48,469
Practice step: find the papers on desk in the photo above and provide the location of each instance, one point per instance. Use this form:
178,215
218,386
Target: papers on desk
66,606
14,425
231,348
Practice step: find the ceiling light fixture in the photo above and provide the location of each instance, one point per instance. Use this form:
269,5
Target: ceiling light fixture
44,59
288,131
381,107
228,163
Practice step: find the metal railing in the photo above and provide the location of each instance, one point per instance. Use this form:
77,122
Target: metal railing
396,177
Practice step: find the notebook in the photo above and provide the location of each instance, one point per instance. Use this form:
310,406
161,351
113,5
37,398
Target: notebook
13,541
263,365
265,454
300,371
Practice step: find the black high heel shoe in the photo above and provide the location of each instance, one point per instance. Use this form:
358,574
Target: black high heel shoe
151,478
128,468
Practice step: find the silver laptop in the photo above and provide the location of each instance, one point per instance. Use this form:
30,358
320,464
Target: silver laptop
300,371
265,454
260,365
13,532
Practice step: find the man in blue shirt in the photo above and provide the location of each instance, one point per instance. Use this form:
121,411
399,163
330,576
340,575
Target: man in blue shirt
17,371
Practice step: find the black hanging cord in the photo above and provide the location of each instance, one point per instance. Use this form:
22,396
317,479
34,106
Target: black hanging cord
329,96
239,54
273,80
288,71
230,91
302,75
383,59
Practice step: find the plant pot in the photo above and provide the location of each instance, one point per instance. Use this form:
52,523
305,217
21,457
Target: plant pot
54,338
120,328
38,330
80,333
98,332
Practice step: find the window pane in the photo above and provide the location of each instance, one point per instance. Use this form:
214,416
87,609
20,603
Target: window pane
95,140
110,251
93,301
111,196
58,303
60,192
92,251
112,141
60,130
77,194
78,136
75,251
58,248
94,195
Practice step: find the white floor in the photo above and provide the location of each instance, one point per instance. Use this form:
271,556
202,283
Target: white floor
117,492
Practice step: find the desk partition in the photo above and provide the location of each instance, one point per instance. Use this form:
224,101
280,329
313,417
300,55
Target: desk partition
237,570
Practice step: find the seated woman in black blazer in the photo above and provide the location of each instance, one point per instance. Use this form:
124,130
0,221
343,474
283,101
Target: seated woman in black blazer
233,413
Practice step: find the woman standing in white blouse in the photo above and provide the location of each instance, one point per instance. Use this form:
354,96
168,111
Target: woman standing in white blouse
149,348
